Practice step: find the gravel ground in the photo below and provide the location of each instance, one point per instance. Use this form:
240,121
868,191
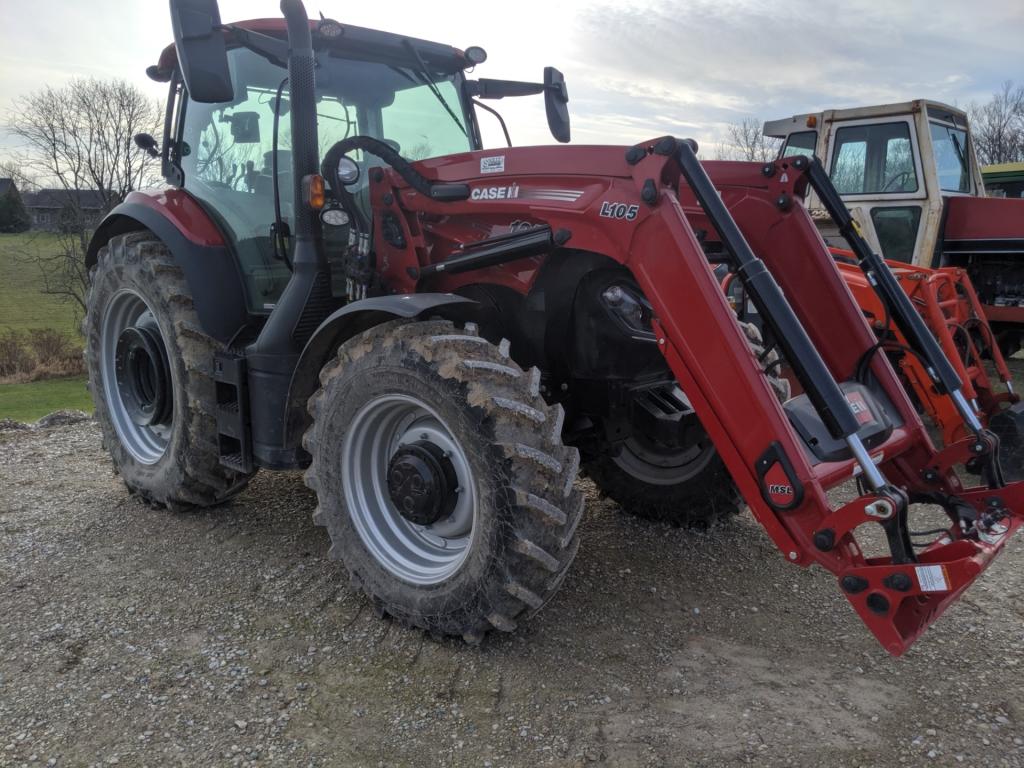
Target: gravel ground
137,637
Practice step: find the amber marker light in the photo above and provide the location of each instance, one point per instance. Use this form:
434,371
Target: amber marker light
313,191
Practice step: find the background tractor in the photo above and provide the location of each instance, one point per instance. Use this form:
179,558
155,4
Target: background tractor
341,279
910,177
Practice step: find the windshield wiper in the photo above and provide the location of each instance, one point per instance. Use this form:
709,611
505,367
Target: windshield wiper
961,156
424,75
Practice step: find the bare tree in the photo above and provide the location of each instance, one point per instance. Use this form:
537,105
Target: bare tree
81,137
23,177
745,140
998,126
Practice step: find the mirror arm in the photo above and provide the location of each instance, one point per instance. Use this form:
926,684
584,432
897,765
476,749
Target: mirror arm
485,88
272,49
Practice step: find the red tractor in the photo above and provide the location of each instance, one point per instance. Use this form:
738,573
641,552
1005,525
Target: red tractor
342,279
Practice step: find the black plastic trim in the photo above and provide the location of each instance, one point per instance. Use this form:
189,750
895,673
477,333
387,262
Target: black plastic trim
777,455
212,272
339,327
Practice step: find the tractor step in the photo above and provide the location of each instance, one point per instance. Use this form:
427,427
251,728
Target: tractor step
234,439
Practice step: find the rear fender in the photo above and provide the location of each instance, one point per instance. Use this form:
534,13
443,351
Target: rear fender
346,323
197,245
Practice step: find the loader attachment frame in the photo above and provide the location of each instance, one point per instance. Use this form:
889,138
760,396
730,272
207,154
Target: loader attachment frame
897,595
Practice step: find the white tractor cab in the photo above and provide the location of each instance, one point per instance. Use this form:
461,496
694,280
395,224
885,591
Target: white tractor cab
909,176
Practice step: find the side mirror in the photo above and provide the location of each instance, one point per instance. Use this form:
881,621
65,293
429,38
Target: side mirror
245,127
202,54
556,103
147,144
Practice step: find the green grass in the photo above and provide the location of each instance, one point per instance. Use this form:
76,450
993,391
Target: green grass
22,304
28,402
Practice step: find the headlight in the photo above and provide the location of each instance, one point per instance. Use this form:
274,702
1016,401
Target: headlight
629,307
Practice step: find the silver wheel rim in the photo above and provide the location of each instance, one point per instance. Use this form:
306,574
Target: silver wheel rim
651,462
657,465
418,554
146,444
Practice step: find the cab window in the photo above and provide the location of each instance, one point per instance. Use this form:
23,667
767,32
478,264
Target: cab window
874,160
418,122
802,143
949,144
896,228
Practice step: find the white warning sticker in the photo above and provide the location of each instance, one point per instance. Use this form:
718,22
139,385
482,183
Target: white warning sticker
932,578
492,164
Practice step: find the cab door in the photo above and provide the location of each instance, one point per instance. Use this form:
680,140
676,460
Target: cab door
875,165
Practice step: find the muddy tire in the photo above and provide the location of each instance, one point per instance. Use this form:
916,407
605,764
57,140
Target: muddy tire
172,461
681,488
485,537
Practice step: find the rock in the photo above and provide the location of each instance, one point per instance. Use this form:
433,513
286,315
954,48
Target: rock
10,425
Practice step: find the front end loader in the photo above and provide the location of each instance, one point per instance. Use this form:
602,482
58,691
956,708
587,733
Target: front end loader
441,335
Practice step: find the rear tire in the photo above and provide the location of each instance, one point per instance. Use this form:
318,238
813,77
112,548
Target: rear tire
174,463
655,483
507,533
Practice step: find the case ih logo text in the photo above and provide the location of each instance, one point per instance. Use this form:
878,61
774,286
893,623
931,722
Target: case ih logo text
495,193
610,210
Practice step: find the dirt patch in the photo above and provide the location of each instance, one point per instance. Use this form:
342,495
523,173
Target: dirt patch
226,637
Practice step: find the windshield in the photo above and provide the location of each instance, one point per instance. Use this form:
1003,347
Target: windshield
950,147
801,143
227,149
874,159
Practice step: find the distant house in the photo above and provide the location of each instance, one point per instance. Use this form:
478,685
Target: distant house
49,209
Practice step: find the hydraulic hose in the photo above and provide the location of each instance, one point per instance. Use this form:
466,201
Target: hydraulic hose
435,190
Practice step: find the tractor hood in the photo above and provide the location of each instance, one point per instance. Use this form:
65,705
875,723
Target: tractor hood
984,218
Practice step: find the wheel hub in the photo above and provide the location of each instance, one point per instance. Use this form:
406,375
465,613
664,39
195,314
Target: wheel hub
422,483
142,373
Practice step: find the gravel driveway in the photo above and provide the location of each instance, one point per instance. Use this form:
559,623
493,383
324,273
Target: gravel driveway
138,637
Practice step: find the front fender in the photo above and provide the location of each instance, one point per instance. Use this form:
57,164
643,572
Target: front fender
345,323
197,245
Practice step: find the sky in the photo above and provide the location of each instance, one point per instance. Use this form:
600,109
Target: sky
635,70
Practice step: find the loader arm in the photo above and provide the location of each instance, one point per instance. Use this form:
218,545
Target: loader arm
898,595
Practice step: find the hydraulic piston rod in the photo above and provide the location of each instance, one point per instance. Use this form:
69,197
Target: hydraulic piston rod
907,319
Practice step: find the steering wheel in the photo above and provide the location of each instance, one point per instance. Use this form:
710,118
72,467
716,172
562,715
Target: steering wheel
900,177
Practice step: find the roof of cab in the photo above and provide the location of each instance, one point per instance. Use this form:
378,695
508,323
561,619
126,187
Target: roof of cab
785,126
355,39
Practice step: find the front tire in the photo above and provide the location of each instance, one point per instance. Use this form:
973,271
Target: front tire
151,377
441,478
687,486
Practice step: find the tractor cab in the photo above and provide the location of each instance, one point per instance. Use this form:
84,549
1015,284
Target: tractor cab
910,178
232,151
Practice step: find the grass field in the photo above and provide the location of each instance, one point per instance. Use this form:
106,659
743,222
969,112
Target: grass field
22,305
28,402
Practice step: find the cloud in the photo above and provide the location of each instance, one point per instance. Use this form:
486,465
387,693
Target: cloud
635,69
704,63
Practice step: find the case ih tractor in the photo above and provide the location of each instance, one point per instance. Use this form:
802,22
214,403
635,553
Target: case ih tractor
909,175
341,279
